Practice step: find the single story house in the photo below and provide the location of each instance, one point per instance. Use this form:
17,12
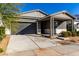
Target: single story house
39,22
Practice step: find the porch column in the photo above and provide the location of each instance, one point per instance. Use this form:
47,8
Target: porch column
72,25
51,27
38,27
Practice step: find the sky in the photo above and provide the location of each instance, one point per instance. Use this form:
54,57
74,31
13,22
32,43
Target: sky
50,8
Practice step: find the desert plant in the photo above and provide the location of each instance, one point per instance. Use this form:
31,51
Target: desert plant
64,34
1,50
69,33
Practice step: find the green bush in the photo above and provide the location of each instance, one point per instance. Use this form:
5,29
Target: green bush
1,50
74,34
77,33
64,34
69,33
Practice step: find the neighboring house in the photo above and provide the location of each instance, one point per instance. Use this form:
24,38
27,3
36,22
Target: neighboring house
38,22
76,23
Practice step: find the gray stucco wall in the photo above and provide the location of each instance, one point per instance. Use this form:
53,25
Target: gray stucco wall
61,27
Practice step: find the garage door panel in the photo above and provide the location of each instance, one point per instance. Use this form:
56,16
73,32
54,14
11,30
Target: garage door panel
25,28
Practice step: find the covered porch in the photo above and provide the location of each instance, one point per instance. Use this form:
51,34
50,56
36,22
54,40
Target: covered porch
54,24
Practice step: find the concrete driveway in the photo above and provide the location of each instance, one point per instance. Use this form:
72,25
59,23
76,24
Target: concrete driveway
28,45
27,42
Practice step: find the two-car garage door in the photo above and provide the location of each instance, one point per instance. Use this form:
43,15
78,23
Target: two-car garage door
25,28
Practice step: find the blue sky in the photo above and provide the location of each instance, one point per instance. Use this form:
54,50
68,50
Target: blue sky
50,8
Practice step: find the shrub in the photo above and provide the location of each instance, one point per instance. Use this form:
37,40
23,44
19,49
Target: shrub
69,33
77,33
2,33
74,34
1,50
64,34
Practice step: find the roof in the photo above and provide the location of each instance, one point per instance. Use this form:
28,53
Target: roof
64,12
36,10
29,17
54,14
61,12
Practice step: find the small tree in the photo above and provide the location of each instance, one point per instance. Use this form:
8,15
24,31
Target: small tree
8,14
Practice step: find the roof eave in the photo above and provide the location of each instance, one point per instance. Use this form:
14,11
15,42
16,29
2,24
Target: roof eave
64,12
38,10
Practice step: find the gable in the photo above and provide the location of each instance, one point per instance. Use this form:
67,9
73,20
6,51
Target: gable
62,16
33,14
